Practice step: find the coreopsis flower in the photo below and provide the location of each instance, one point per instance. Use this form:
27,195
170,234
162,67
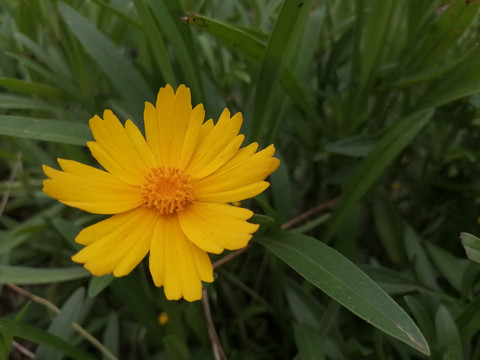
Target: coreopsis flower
169,192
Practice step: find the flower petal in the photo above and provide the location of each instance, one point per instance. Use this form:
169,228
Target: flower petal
192,136
237,194
214,227
241,177
152,133
166,125
114,149
90,189
176,263
116,244
206,158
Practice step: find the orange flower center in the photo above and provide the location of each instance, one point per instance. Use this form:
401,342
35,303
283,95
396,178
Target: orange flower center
167,190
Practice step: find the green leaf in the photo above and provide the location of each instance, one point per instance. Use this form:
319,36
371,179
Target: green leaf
157,46
176,347
116,12
99,283
308,344
370,169
422,316
8,101
447,335
389,227
248,46
457,91
282,42
451,267
376,31
132,292
61,326
354,146
342,280
472,246
31,88
20,275
111,336
418,259
122,74
68,230
180,39
6,338
63,132
37,335
391,281
469,320
237,39
452,22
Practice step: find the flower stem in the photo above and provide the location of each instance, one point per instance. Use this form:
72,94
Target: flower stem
218,352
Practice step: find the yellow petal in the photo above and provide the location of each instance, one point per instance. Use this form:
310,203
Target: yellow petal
157,258
242,176
174,112
152,132
214,227
235,194
116,151
117,244
90,189
140,145
191,136
206,158
176,263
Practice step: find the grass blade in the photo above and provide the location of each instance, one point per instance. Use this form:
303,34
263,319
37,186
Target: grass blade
21,275
157,45
124,77
47,130
40,336
282,42
370,169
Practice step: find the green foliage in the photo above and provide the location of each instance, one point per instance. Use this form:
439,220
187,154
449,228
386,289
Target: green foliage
374,109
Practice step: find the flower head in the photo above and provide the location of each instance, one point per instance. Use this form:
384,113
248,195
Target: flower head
169,192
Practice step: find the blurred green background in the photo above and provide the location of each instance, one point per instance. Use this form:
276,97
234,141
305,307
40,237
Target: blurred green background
374,109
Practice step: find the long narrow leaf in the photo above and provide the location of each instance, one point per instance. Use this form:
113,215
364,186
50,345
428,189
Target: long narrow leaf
342,280
370,169
48,130
31,88
182,42
244,43
40,336
21,275
122,74
155,39
280,45
61,325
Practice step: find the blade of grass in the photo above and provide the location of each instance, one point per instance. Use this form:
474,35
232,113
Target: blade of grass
40,336
181,40
118,13
47,130
21,275
236,39
31,88
282,42
61,325
154,37
124,77
370,169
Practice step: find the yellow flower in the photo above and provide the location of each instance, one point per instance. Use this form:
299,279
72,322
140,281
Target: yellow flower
168,192
162,318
